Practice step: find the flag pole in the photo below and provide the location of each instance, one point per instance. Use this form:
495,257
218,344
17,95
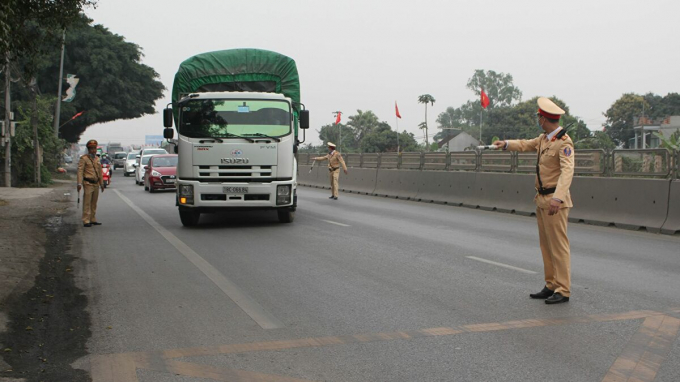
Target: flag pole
397,121
480,125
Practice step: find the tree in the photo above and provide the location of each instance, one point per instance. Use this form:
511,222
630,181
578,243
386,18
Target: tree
114,84
22,148
625,113
384,139
19,18
362,123
331,133
502,94
621,117
425,99
498,86
597,140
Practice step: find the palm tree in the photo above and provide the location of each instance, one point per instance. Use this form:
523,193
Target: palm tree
426,98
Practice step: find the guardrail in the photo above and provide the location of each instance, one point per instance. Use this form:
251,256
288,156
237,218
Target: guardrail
649,163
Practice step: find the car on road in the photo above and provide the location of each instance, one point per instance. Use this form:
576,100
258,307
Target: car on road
141,167
68,159
161,173
119,158
130,162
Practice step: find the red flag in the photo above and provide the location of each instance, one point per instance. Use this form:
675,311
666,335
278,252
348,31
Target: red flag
337,119
396,108
77,115
485,100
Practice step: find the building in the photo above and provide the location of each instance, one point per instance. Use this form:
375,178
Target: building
645,128
457,140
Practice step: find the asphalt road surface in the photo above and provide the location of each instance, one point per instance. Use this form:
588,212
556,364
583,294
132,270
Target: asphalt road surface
368,289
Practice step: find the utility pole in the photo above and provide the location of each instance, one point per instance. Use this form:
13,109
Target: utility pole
57,112
8,126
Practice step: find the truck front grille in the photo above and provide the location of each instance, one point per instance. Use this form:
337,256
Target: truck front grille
230,172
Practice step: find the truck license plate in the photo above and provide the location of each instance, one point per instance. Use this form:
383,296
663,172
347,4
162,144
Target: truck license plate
235,190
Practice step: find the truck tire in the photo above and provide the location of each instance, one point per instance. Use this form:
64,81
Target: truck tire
189,218
286,215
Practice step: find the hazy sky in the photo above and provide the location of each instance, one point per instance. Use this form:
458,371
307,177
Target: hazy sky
368,54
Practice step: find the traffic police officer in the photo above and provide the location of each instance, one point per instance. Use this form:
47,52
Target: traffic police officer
90,179
335,160
554,172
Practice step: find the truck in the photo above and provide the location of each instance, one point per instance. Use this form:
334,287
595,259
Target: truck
113,147
238,115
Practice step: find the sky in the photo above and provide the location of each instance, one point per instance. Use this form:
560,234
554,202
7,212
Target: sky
369,54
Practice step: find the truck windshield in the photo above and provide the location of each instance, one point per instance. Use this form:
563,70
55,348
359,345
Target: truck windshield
201,118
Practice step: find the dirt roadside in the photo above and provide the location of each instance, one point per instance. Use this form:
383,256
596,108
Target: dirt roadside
43,322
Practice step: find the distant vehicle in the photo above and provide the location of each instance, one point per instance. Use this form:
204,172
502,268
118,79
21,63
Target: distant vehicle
114,147
141,167
161,172
68,159
119,158
130,161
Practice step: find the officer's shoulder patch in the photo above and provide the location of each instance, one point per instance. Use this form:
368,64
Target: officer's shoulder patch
567,151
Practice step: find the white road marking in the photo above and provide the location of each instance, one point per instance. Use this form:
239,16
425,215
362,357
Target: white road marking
336,223
245,302
501,265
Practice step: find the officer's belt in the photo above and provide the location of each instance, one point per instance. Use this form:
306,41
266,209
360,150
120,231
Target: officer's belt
546,191
331,169
93,181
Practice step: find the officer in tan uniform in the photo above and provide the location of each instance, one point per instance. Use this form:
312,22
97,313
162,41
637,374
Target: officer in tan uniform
335,160
90,178
554,172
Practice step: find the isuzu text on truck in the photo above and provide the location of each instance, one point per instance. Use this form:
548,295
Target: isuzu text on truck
237,114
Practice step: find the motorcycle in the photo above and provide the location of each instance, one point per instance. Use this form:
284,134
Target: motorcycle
106,174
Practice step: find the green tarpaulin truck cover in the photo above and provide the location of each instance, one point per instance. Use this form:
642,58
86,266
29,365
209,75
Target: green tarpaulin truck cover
238,70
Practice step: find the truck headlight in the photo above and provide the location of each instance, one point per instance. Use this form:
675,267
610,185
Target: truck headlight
186,194
283,194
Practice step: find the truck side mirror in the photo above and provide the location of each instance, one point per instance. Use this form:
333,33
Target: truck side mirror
304,119
167,117
168,133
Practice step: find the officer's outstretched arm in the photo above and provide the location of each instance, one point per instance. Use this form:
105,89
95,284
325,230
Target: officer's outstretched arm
524,144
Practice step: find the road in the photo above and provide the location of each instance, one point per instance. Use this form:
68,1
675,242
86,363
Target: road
368,289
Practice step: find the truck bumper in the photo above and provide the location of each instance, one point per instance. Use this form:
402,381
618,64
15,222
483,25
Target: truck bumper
209,197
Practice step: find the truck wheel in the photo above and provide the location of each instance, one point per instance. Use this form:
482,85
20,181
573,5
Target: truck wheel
286,215
189,218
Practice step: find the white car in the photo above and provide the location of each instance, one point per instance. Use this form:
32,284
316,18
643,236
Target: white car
129,164
139,168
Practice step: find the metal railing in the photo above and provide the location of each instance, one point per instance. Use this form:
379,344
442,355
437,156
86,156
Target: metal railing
658,163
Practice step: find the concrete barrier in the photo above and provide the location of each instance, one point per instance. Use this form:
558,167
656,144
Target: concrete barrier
359,180
402,184
455,188
506,192
653,204
625,203
672,223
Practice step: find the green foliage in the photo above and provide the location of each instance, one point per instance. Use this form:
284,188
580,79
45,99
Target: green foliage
19,19
672,142
425,99
498,86
625,112
362,123
22,143
114,84
332,133
597,140
384,139
502,95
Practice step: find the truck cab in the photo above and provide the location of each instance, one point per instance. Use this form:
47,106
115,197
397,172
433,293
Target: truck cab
236,149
